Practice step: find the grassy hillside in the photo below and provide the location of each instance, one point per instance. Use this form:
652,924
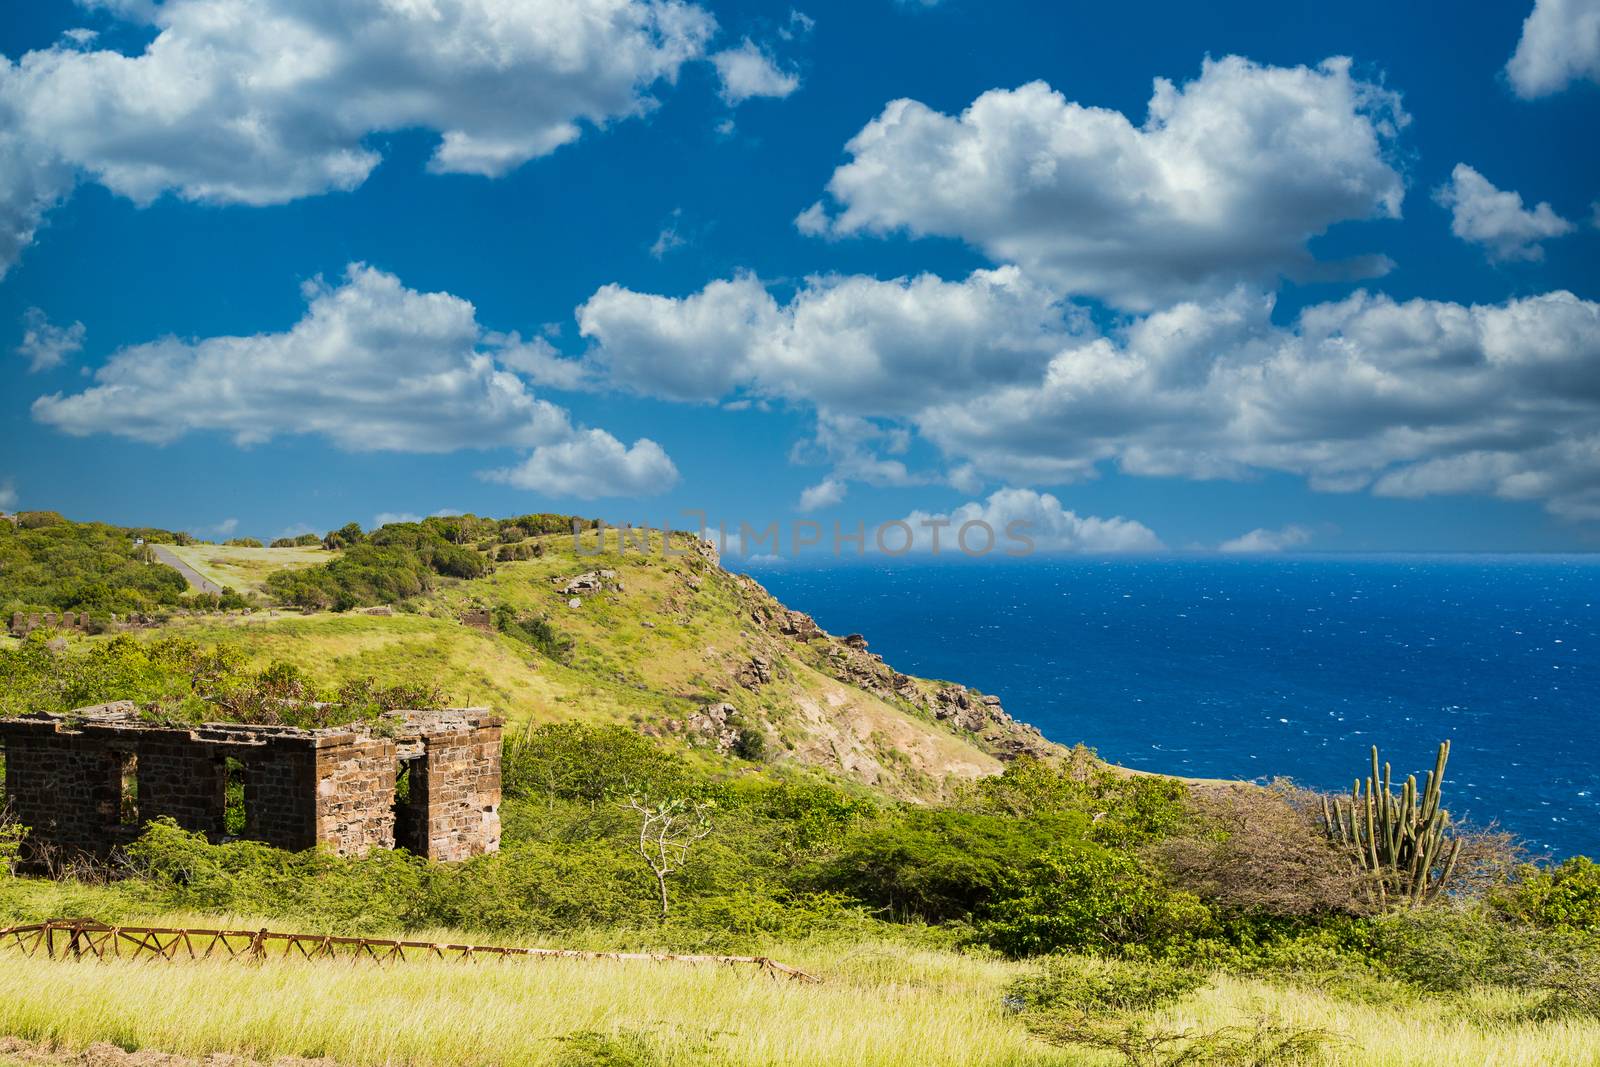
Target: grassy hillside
661,640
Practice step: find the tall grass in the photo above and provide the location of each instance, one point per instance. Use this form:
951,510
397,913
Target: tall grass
900,1008
883,1005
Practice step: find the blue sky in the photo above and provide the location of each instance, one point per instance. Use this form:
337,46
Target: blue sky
266,262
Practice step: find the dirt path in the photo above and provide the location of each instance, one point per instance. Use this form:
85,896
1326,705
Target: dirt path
197,581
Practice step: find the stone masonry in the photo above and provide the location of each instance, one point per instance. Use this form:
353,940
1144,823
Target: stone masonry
87,782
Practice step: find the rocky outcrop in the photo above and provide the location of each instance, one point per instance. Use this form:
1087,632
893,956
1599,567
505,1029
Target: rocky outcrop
848,660
589,583
756,673
712,726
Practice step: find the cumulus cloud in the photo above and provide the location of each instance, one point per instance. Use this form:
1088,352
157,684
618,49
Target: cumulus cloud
1560,44
1494,218
825,494
1263,541
265,101
1227,180
1010,385
1409,398
8,495
44,346
1024,521
748,71
226,527
851,344
591,464
372,366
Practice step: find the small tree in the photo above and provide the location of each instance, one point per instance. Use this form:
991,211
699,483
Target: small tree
667,831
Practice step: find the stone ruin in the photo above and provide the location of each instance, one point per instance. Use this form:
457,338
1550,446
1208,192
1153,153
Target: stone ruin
24,623
426,781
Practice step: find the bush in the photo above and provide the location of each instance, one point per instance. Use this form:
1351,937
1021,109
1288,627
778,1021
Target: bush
1564,898
536,632
572,761
1126,809
1095,986
242,542
1085,897
1255,852
1452,949
302,541
940,865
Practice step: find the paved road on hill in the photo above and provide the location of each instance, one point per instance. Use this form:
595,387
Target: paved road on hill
197,581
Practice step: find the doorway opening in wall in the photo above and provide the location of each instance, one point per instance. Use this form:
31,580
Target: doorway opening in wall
410,796
235,818
125,780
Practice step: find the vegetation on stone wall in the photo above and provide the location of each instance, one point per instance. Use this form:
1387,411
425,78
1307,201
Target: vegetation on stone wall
177,680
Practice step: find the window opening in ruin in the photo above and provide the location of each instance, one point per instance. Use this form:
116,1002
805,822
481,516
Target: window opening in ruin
409,787
127,788
234,817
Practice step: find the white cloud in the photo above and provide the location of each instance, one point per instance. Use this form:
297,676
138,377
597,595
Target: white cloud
1410,398
538,361
226,527
44,346
31,183
372,366
1494,218
1018,515
748,71
1011,385
825,494
590,464
265,101
388,518
1227,180
851,344
8,495
669,237
1262,541
1560,44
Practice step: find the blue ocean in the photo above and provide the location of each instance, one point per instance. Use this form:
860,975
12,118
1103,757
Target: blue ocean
1256,668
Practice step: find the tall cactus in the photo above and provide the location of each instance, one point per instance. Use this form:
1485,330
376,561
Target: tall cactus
1404,841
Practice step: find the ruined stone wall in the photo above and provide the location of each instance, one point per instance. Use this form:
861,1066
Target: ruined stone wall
65,782
66,793
301,788
459,802
355,794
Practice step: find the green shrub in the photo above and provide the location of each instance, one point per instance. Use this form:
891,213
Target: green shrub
1452,949
1097,986
1085,897
535,631
573,761
1565,898
941,864
242,542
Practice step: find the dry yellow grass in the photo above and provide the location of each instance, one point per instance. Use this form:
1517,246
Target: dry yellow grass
880,1004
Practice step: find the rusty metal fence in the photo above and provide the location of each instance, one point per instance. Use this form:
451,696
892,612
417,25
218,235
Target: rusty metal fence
87,938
